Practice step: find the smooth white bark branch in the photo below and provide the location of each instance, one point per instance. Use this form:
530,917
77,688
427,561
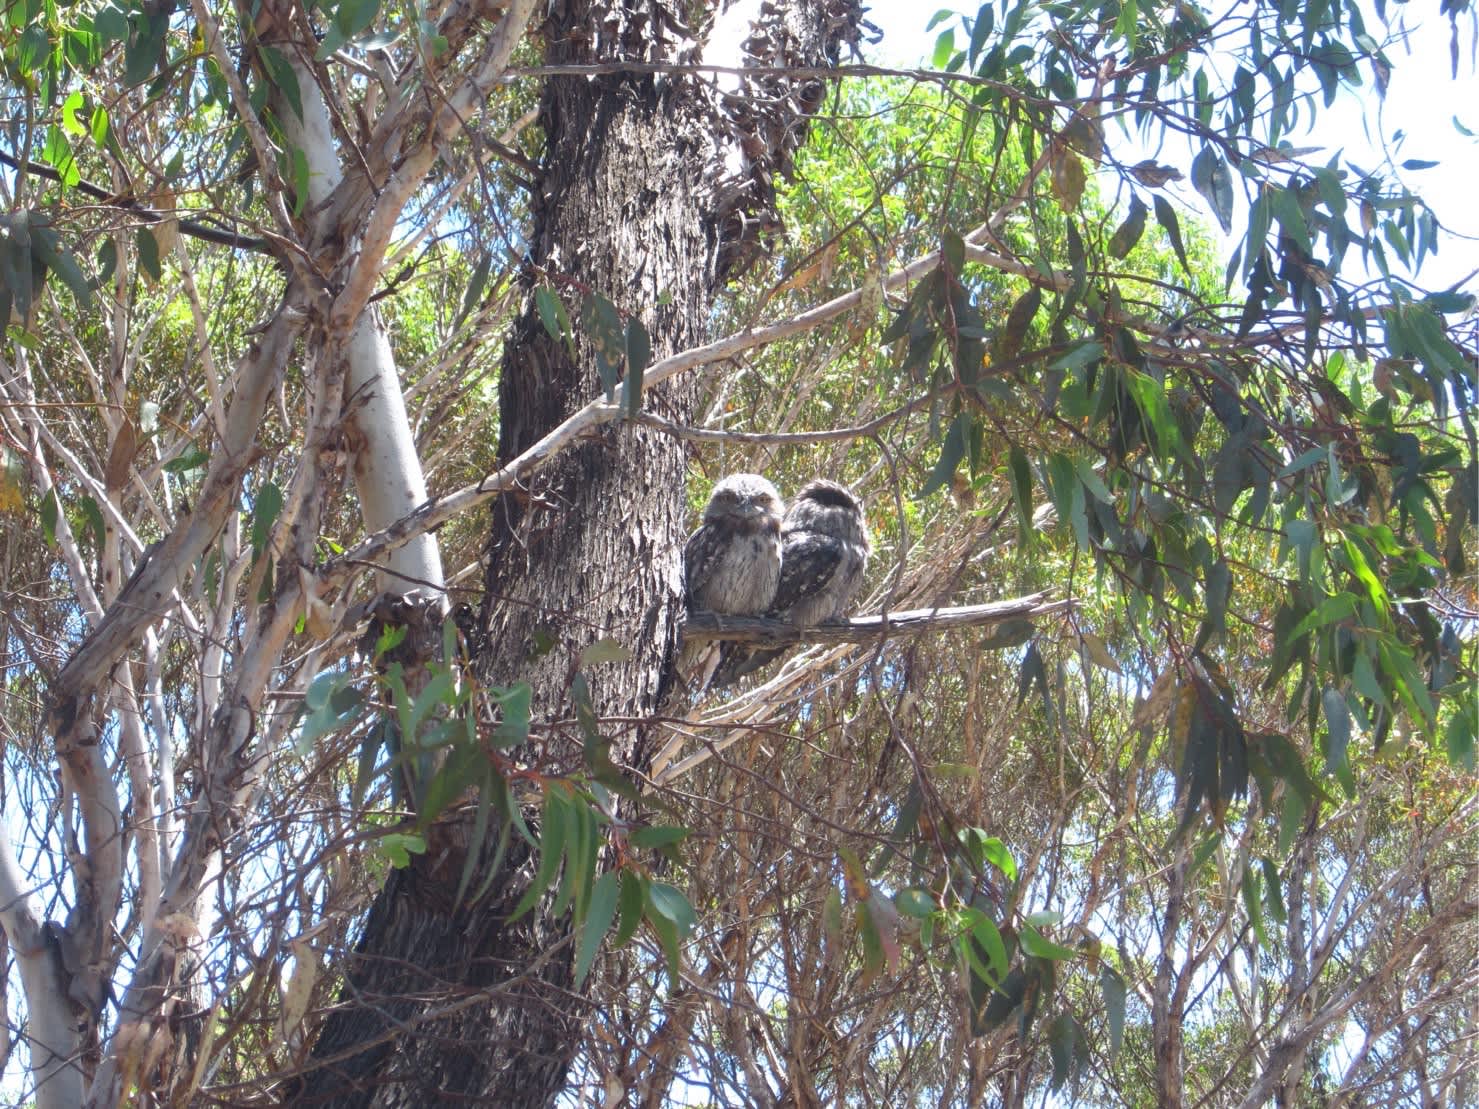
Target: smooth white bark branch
52,1042
386,466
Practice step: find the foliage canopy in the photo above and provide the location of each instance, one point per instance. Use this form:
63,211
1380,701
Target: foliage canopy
1195,824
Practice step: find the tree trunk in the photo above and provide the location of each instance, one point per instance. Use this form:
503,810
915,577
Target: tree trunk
633,204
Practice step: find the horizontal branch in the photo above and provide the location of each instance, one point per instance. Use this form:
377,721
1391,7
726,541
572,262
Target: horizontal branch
705,626
777,438
123,202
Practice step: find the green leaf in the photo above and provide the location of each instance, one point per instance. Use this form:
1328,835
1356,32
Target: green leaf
145,48
111,24
1021,489
1217,588
1409,684
70,107
265,510
46,246
551,849
1342,606
1034,943
1165,215
299,172
491,791
1062,1032
573,812
1286,209
352,17
93,516
1092,481
458,773
658,836
672,918
373,741
1014,331
437,693
148,249
1078,356
593,928
1124,27
1337,737
1205,850
478,283
552,313
944,49
1304,461
331,702
513,728
987,938
1128,233
639,357
1068,498
398,847
995,852
50,509
282,75
1458,737
1149,398
992,1004
1273,898
1251,890
952,452
1211,178
633,896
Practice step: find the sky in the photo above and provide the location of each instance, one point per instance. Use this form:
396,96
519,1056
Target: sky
1415,121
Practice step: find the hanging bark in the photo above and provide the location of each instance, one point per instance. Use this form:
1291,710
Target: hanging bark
638,203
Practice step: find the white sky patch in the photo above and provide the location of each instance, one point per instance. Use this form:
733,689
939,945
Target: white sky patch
725,44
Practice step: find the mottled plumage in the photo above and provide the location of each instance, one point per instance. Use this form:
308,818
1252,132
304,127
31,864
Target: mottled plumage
732,563
824,551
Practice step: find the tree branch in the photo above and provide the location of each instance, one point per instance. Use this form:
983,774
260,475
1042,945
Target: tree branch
52,1041
194,228
705,626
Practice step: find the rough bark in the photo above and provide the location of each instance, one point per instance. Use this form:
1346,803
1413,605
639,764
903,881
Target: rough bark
629,208
1168,997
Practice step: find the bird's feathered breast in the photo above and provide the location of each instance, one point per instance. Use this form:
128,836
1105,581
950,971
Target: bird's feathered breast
733,566
824,550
